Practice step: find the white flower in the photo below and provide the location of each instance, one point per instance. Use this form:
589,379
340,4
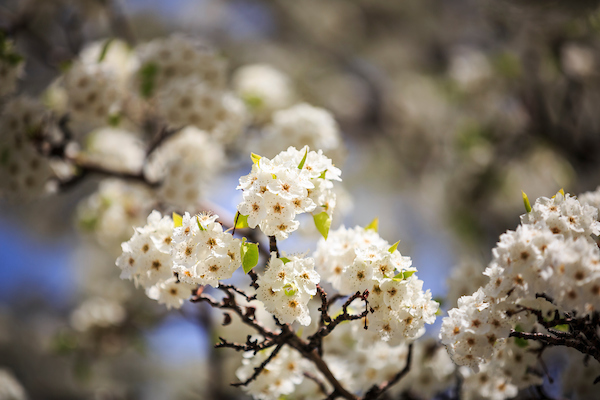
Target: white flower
276,190
286,287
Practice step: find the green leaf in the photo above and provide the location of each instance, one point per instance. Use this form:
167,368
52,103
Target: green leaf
285,260
88,223
374,225
526,202
114,120
13,59
255,158
394,247
398,277
289,290
241,221
104,50
65,66
249,253
562,328
199,224
177,220
301,165
253,102
407,274
521,342
147,77
322,176
561,191
323,223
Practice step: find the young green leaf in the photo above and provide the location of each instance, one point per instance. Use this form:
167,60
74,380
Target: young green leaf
394,247
147,79
323,223
241,221
249,253
289,290
255,158
374,225
301,165
407,274
199,224
114,119
562,328
104,50
322,176
177,220
398,277
526,202
520,341
285,260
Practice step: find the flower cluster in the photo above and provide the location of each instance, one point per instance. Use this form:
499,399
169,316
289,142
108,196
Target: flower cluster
286,287
302,124
112,210
170,261
263,88
11,67
281,376
184,165
203,254
93,93
294,182
147,260
169,59
549,264
355,260
513,367
24,171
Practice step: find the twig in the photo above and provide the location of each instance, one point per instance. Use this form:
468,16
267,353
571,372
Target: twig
273,245
316,380
377,390
317,337
260,368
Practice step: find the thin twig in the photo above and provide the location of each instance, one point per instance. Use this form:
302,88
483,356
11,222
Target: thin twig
377,390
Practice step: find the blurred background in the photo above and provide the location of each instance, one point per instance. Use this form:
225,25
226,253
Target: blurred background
446,109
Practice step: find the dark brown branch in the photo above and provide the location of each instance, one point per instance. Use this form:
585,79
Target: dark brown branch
317,337
250,345
316,380
229,303
576,342
273,245
377,390
86,168
260,368
325,318
162,135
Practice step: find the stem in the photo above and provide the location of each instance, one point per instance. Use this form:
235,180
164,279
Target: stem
273,245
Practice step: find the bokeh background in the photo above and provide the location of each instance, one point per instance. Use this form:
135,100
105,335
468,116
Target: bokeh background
447,109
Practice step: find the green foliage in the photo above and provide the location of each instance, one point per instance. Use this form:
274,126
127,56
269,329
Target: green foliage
526,202
301,165
147,79
249,253
104,50
177,220
374,225
323,223
241,221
